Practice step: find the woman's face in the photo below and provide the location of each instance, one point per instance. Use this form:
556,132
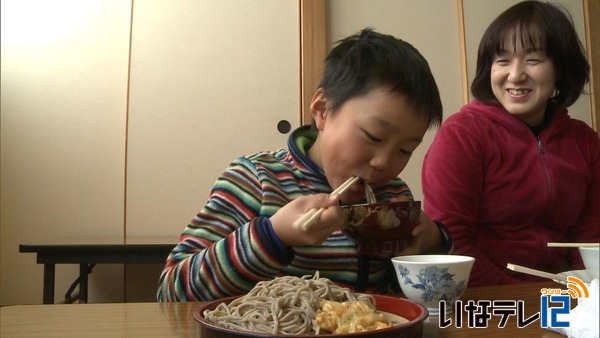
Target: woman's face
523,80
371,136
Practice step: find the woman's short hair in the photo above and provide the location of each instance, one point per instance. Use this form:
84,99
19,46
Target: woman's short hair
536,23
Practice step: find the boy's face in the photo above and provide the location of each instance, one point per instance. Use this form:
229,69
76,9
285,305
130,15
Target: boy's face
371,136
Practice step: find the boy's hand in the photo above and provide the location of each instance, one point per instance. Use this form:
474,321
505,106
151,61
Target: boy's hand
426,237
426,234
318,231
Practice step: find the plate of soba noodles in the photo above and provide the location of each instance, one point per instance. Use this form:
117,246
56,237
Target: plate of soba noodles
309,306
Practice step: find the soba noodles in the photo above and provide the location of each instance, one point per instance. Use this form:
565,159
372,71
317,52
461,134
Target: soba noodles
284,305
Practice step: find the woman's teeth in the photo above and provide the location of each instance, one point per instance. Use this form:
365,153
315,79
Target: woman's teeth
518,91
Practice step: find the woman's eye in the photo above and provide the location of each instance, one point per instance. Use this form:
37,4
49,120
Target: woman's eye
533,61
502,62
372,137
406,152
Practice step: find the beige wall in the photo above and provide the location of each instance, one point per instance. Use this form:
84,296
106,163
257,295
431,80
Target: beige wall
210,80
64,98
92,145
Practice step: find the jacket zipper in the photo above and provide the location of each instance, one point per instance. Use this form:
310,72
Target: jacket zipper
549,182
540,147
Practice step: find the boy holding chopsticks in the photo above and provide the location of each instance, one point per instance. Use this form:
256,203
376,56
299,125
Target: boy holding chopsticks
376,99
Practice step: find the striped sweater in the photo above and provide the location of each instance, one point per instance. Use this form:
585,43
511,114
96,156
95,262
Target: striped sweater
230,245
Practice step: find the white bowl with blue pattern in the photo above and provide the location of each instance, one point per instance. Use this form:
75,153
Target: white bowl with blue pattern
428,279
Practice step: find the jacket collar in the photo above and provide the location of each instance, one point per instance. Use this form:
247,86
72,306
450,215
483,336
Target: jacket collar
299,142
498,114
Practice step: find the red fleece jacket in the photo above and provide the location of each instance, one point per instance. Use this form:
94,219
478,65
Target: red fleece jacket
504,194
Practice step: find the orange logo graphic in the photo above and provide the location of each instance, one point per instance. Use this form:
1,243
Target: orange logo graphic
577,288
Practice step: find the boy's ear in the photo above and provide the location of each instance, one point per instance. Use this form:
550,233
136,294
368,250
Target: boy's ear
318,108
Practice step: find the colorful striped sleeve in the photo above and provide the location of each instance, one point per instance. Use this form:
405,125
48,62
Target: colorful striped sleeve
227,248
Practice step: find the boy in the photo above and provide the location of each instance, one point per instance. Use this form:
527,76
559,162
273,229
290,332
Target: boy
375,102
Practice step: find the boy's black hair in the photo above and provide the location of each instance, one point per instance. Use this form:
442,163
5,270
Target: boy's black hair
367,60
538,23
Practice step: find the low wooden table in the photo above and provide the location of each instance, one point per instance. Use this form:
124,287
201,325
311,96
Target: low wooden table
176,320
87,252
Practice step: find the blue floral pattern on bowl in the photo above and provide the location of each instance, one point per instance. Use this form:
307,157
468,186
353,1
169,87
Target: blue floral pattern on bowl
436,283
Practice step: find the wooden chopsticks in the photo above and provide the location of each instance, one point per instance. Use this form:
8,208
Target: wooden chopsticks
311,215
371,199
534,272
572,245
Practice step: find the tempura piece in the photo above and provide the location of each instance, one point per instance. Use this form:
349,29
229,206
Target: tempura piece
349,317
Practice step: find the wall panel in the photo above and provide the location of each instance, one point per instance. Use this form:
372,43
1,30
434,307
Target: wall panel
210,80
64,87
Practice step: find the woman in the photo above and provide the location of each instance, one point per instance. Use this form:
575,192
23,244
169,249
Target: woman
511,171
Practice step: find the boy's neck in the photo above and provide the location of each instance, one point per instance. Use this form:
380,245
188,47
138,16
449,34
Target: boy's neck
314,154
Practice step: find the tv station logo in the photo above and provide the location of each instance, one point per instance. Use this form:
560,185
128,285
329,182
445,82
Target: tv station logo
550,314
554,302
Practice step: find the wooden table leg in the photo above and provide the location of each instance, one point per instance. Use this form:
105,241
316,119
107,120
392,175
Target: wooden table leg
84,271
49,269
